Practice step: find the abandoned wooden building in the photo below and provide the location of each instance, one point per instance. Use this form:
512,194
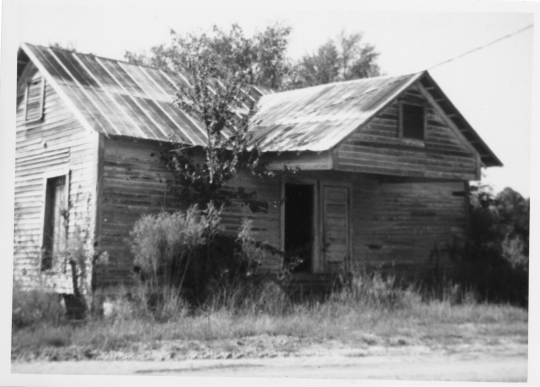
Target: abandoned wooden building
384,166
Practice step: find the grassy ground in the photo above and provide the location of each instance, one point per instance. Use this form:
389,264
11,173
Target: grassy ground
362,318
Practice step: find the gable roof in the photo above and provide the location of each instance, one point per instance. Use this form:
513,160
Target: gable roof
118,98
319,118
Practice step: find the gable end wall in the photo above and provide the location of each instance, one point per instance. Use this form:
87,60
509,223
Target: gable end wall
376,147
53,145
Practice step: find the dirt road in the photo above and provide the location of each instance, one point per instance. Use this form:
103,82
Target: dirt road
490,365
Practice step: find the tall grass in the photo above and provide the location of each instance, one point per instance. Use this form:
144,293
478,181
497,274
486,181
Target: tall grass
372,310
35,307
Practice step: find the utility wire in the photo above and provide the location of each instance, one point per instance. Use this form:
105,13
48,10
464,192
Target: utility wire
482,47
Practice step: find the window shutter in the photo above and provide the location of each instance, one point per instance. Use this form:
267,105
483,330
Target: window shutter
34,100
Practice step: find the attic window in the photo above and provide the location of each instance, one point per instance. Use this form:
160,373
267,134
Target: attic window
412,121
34,100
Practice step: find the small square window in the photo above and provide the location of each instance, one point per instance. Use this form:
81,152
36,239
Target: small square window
34,100
412,121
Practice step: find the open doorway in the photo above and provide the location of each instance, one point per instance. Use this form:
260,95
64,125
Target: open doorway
299,200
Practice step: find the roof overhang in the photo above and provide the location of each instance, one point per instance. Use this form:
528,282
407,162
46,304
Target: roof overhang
487,156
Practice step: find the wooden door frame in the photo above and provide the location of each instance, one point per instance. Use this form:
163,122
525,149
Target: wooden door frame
341,184
59,172
316,264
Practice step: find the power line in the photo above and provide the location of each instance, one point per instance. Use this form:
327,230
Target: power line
482,47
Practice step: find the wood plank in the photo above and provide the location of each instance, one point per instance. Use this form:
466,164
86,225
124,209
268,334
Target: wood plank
66,141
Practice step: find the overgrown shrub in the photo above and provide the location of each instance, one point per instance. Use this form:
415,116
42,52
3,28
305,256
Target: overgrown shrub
165,245
33,307
492,258
188,251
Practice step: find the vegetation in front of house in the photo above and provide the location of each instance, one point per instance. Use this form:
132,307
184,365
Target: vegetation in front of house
187,250
35,307
187,253
493,257
244,318
372,312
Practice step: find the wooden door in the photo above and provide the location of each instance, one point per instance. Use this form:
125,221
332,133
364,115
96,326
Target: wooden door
336,227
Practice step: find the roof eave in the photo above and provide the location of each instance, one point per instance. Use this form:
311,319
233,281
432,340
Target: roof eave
487,156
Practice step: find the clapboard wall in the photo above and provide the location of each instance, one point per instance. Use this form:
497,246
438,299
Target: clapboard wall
55,144
377,148
395,221
398,221
135,182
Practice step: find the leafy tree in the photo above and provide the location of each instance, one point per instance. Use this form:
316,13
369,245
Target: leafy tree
498,219
493,258
226,113
514,213
345,58
358,59
203,175
70,46
219,68
261,58
319,68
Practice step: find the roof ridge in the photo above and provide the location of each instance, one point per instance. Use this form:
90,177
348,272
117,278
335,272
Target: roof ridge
101,57
350,81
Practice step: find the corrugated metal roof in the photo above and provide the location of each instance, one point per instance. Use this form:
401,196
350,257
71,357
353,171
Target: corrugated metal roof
119,98
317,118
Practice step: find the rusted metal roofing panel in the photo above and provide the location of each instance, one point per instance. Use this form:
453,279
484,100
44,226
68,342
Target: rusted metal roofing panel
118,98
319,117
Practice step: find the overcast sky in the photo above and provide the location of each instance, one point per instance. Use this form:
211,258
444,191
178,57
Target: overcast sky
491,87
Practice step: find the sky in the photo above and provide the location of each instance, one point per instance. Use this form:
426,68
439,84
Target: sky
491,87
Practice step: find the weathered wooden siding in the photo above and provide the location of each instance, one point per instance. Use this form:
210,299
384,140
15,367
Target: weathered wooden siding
335,225
135,182
397,222
265,226
377,148
56,143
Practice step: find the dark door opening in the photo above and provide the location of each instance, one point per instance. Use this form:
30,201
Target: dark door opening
299,226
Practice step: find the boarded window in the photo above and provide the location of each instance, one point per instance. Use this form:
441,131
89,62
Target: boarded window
34,100
54,235
412,121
